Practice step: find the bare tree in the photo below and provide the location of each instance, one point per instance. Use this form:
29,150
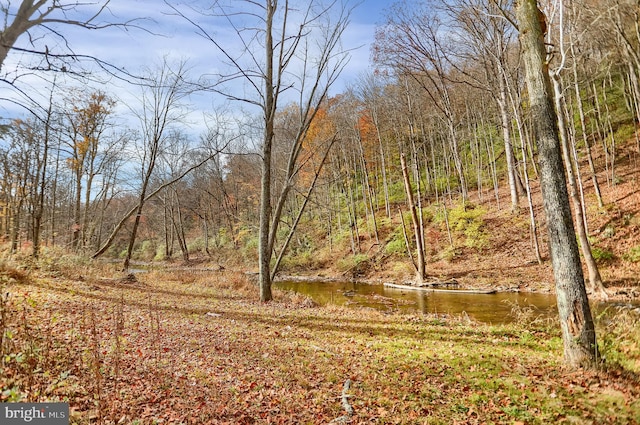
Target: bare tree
20,166
568,148
160,110
174,158
370,92
40,179
287,49
418,229
412,43
90,139
29,14
489,48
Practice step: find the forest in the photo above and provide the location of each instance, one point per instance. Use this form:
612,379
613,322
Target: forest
492,146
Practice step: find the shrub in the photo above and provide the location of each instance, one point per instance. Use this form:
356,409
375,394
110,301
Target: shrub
633,255
10,273
619,330
221,238
250,248
196,245
160,253
146,251
601,255
449,253
397,194
609,231
468,221
299,261
353,263
396,246
57,260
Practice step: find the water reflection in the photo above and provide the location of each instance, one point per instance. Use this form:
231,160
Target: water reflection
489,308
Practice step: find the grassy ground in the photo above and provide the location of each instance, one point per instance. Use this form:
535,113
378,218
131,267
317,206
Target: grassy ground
197,348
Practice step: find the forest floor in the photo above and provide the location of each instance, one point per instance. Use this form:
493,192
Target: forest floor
197,347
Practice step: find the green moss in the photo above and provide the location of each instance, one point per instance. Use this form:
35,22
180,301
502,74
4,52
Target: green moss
633,255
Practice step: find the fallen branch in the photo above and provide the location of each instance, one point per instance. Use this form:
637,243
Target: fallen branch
345,405
432,289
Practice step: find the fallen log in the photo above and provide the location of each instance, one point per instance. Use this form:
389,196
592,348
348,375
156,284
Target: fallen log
433,289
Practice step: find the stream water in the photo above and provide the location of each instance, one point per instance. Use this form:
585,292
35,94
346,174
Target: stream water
497,308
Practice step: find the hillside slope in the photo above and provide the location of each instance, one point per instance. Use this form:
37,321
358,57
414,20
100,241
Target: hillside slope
493,247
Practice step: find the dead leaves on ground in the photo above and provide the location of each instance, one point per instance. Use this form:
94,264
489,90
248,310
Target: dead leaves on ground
195,353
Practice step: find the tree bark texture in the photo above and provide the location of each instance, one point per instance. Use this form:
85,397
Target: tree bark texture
578,331
264,251
595,280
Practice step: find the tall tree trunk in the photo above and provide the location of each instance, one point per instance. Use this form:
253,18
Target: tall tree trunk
610,150
166,226
264,252
15,225
54,196
505,123
41,182
178,224
533,226
417,231
368,191
457,160
578,331
595,280
75,230
85,231
353,218
301,210
583,126
491,155
383,165
132,237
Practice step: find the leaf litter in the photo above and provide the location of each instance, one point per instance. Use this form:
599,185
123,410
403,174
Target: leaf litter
204,350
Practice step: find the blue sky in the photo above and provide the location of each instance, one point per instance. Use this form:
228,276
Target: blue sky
181,41
176,38
362,29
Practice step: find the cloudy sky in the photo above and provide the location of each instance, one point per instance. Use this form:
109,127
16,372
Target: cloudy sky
179,39
173,37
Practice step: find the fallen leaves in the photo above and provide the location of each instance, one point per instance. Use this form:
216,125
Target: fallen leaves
199,353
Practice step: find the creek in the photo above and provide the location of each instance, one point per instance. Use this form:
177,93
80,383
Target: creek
496,308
